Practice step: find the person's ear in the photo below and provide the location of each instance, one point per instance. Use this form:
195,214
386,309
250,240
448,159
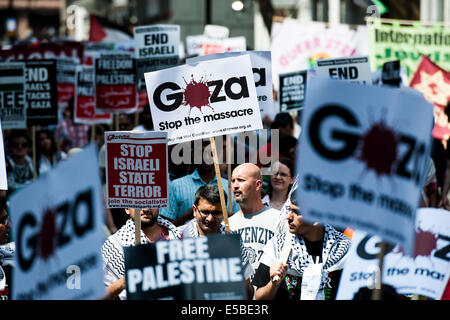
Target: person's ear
128,211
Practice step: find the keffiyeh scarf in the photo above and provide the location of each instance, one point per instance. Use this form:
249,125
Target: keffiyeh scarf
112,250
335,248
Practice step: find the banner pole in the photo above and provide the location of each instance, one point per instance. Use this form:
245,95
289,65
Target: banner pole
33,130
116,121
93,132
136,119
137,226
229,152
377,293
219,182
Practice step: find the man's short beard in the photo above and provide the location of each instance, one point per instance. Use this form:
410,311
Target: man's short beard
150,223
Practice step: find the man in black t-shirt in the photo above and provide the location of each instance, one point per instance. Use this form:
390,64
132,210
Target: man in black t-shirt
314,265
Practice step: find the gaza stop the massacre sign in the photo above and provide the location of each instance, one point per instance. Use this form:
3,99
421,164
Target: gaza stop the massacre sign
136,169
202,268
58,229
425,272
208,99
262,72
364,157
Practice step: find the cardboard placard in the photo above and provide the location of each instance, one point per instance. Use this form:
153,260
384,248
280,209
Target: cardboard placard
292,90
203,268
156,48
364,157
65,78
212,98
12,95
85,98
58,230
41,92
115,83
262,72
136,169
354,69
425,272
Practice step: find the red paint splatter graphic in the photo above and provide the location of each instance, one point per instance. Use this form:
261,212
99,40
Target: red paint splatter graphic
47,235
379,148
425,243
196,94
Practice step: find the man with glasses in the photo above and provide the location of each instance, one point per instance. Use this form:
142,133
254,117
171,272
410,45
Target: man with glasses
208,217
19,163
6,252
314,265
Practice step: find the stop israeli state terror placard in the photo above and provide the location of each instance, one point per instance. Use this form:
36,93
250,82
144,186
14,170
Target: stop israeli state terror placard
202,268
204,100
136,169
364,157
58,231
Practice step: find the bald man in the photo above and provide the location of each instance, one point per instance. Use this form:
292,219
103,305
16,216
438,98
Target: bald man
255,223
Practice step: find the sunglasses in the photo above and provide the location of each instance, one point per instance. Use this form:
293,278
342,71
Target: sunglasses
22,144
207,213
4,220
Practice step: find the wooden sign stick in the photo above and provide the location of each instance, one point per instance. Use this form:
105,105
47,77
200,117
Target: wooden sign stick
219,183
377,293
93,132
229,153
137,226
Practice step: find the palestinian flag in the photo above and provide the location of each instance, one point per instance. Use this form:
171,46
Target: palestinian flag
102,30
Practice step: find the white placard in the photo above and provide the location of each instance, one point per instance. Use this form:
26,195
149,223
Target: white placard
156,41
425,273
204,100
355,69
262,72
364,155
58,228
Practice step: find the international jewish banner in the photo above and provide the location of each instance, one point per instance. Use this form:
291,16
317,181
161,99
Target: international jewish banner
407,44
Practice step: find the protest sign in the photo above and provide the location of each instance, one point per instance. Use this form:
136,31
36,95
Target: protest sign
3,174
58,229
212,98
262,72
355,69
297,46
136,169
115,83
425,272
41,92
202,268
156,48
364,157
45,50
65,78
203,45
434,83
12,95
292,90
390,74
85,98
392,41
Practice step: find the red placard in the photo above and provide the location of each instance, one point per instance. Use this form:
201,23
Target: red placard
136,169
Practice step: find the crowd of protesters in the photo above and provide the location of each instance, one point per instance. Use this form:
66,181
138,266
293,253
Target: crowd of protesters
258,202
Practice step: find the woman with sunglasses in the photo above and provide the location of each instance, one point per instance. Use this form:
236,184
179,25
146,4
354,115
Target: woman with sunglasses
280,183
19,163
